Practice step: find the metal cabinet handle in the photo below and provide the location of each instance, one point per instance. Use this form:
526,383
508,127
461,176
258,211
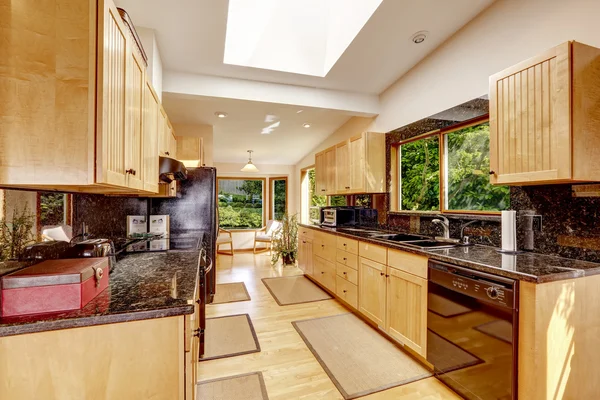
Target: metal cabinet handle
347,187
345,245
130,171
492,172
322,272
344,273
167,153
381,273
322,190
322,245
345,258
387,276
345,291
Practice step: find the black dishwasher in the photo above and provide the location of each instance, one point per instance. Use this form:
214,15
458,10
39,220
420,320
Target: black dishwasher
472,331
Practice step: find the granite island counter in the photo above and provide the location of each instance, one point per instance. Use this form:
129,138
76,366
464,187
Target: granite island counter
134,340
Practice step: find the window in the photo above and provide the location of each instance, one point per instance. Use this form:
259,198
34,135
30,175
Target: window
466,173
363,200
278,198
315,200
338,201
52,209
241,203
420,174
464,166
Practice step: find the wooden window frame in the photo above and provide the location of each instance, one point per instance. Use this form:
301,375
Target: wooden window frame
395,198
272,194
245,178
38,212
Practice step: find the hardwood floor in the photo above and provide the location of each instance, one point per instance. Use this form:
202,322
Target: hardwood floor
289,368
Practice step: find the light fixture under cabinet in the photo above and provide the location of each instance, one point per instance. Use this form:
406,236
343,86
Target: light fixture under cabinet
250,167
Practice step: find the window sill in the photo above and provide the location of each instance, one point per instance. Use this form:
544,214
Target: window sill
450,215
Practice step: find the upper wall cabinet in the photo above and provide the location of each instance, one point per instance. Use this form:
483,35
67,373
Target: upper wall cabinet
190,151
545,119
76,115
354,166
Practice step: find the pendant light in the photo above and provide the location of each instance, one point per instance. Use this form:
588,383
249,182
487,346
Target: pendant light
249,167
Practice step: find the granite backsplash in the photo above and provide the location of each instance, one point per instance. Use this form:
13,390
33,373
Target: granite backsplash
570,225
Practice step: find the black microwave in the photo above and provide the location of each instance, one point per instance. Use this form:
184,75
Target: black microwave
338,216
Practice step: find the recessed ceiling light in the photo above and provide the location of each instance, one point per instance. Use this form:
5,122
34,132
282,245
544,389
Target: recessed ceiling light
306,125
419,37
221,114
299,111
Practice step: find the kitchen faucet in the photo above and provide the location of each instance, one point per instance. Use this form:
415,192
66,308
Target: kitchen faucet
445,224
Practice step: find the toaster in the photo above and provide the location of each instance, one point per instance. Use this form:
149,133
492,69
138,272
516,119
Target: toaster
94,248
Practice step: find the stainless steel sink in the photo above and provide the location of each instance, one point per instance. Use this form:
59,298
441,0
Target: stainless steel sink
431,244
398,237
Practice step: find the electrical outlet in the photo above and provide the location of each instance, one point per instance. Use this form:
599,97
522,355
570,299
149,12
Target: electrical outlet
536,223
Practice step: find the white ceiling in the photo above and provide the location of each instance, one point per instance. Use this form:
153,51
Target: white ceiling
241,130
191,38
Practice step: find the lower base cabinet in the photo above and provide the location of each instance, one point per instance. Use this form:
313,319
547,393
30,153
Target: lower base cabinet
305,255
371,290
324,273
406,319
346,291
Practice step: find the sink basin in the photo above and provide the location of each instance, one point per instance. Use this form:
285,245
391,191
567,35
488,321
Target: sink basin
399,237
431,244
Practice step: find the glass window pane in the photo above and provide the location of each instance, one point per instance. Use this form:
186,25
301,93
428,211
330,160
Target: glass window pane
467,172
52,208
240,203
338,201
363,200
419,175
316,200
279,198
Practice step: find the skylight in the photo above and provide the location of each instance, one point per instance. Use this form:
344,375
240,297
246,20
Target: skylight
298,36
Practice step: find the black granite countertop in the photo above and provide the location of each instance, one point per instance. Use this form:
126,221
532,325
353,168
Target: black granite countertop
530,267
142,286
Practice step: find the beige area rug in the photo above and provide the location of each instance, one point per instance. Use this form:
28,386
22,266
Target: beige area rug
240,387
446,356
289,290
231,293
498,329
358,360
229,336
445,308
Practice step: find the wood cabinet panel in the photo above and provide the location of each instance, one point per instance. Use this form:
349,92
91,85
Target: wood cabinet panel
342,167
372,290
134,365
348,259
543,128
357,164
408,262
305,256
324,273
347,291
150,139
347,273
406,307
134,147
112,102
189,151
349,245
324,246
373,252
330,171
306,232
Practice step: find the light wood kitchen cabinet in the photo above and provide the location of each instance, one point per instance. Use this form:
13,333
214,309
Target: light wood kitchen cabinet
372,290
406,319
172,141
150,140
75,107
342,167
324,273
544,119
320,174
325,175
190,151
163,130
367,163
305,255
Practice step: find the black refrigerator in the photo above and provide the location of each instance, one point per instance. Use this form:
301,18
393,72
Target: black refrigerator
194,212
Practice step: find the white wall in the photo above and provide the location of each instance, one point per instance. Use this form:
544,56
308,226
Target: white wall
245,240
155,69
506,33
203,131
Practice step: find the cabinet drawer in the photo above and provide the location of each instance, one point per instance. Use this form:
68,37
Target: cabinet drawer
324,250
347,273
325,273
347,291
347,259
408,262
306,233
373,252
349,245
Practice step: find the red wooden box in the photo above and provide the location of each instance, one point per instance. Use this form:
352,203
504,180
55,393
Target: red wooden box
53,285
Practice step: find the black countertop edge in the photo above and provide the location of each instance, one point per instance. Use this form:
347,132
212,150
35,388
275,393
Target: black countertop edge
546,274
45,326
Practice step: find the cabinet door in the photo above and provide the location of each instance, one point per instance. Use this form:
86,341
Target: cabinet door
530,120
113,57
371,290
407,309
330,171
163,130
357,164
135,88
172,142
324,273
305,256
150,140
189,150
320,174
342,162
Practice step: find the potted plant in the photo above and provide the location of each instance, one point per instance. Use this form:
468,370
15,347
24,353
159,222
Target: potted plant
285,240
16,234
